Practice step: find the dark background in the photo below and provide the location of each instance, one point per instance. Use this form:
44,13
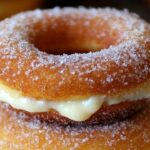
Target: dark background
12,7
141,7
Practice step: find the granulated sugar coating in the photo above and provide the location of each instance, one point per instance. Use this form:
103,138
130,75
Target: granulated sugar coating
73,54
107,52
18,134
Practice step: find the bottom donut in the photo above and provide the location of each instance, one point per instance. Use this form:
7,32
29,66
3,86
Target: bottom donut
18,133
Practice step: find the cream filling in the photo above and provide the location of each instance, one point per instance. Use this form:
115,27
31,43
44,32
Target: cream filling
77,110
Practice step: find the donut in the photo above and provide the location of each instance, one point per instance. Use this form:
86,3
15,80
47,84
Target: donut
17,133
74,78
10,7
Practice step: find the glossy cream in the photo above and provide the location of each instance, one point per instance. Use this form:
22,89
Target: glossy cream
77,110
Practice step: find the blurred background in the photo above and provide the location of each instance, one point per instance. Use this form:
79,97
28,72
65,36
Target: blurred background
10,7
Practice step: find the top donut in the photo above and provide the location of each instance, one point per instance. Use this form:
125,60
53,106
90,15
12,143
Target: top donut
73,53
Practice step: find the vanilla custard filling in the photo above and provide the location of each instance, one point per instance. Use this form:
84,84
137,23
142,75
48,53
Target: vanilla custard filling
77,110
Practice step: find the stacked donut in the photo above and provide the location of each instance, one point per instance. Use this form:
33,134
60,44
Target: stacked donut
10,7
75,78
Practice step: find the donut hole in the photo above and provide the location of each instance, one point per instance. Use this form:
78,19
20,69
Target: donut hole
60,36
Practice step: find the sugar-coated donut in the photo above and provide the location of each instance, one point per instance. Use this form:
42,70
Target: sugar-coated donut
11,7
122,64
73,74
17,133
